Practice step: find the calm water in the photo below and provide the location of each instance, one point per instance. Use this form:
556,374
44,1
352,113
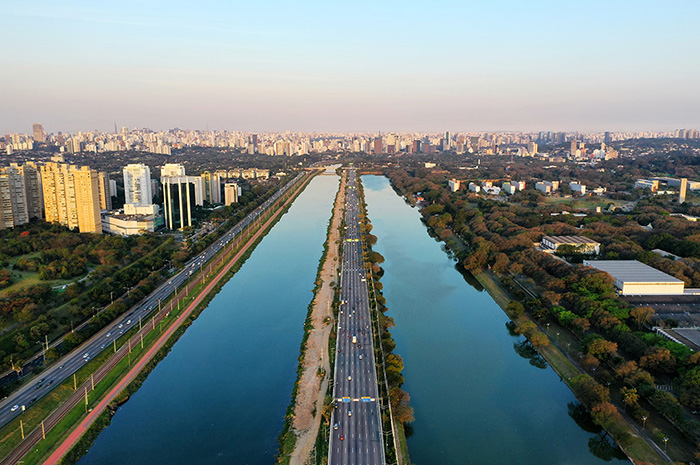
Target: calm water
220,396
476,400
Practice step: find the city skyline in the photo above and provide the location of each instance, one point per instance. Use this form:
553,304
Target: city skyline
351,68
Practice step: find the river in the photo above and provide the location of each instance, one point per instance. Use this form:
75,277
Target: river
481,395
220,395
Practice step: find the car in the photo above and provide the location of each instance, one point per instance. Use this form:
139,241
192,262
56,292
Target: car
128,322
335,426
60,367
87,359
360,356
349,413
121,326
349,378
86,355
342,437
108,334
14,407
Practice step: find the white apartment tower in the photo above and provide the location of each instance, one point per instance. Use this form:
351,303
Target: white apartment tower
137,184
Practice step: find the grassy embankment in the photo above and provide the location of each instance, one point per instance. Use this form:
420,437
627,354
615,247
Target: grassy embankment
10,434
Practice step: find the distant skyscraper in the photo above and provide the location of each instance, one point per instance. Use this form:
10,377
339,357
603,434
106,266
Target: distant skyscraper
607,139
378,147
38,131
71,196
683,190
448,141
137,183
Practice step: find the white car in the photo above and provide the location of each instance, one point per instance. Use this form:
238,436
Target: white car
14,407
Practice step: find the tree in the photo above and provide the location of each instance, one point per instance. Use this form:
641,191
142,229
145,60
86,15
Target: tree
589,391
538,339
629,396
658,360
641,315
690,383
601,348
515,308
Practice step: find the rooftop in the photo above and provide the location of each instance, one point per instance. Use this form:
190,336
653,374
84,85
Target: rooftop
631,271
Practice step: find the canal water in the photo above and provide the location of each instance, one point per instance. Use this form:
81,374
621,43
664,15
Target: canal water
220,395
481,395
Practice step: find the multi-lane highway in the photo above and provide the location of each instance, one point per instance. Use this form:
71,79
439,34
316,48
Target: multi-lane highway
15,404
356,430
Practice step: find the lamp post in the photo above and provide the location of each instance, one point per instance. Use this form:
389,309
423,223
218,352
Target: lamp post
665,443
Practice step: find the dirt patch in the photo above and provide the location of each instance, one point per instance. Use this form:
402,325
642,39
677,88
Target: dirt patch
312,385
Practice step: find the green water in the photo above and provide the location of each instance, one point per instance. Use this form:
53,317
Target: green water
481,396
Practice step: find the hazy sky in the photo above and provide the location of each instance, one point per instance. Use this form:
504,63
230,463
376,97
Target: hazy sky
350,65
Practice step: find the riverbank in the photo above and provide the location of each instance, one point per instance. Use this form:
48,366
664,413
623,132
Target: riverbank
303,420
98,404
637,447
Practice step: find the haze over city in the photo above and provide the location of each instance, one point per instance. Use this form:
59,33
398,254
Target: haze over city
360,66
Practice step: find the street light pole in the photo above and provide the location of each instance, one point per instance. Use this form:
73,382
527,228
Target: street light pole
644,422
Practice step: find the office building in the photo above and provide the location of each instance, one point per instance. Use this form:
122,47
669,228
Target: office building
137,184
180,195
579,243
71,196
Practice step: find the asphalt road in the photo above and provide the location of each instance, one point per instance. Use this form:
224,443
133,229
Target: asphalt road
15,404
356,434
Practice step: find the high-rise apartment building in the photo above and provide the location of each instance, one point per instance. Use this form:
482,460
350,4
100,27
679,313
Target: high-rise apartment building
104,191
230,193
13,201
38,132
32,189
137,184
683,190
71,196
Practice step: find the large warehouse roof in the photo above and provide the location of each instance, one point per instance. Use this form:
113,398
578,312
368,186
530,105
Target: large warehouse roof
631,271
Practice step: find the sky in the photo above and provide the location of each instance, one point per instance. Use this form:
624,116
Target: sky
350,66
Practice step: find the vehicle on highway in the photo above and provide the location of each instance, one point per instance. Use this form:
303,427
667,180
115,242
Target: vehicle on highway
354,339
360,356
14,407
349,378
86,354
349,413
342,437
335,426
